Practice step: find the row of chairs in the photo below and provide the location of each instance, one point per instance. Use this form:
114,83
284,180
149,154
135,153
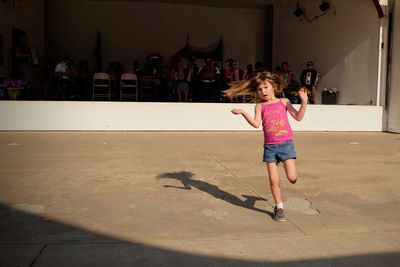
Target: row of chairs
128,88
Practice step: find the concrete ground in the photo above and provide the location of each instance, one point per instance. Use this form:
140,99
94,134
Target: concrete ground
196,199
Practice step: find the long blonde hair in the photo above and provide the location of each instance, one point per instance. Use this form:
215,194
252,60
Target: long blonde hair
248,88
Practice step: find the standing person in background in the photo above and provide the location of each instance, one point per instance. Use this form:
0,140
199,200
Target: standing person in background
22,58
208,78
26,58
310,79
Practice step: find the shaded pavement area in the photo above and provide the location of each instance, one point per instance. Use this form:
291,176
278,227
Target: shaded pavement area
196,199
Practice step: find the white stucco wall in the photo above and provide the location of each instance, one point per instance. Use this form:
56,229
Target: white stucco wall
131,30
132,116
343,44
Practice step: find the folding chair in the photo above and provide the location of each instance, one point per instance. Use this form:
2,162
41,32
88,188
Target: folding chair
147,87
129,86
101,85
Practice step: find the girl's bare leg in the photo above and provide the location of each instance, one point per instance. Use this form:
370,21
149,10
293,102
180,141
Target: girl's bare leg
274,181
290,169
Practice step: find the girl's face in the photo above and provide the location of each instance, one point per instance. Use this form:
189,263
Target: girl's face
266,91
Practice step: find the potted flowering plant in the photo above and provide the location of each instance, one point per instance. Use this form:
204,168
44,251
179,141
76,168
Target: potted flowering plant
330,95
13,87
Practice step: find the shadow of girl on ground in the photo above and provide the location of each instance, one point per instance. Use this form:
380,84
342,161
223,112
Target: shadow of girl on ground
186,178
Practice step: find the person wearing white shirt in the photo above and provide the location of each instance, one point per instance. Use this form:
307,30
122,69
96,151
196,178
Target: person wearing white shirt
63,72
62,69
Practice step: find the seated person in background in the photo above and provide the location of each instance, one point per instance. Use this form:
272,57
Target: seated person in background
258,67
136,67
288,76
310,79
232,73
183,75
216,95
249,72
278,70
62,69
208,76
65,76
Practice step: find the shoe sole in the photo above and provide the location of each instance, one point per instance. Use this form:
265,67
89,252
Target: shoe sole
279,219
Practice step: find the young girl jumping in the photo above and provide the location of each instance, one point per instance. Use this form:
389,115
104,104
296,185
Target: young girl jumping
278,135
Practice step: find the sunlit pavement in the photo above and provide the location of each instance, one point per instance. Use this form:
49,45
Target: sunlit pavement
196,199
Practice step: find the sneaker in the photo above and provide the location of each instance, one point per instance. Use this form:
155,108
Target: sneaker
279,215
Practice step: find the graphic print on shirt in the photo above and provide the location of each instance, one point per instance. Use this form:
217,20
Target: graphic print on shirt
308,78
276,122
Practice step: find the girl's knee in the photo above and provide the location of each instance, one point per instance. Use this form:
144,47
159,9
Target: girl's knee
292,179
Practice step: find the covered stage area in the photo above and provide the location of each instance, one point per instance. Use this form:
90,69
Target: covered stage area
361,61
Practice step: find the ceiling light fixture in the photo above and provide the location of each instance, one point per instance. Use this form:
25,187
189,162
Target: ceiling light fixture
12,3
324,6
298,12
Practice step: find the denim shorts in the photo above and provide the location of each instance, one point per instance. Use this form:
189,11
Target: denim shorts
279,152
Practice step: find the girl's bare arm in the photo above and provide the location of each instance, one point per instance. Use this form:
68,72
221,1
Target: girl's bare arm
256,121
298,115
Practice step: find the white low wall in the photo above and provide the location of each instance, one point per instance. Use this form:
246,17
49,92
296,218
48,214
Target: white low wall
133,116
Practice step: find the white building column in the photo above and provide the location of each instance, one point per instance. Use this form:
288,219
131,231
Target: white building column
382,55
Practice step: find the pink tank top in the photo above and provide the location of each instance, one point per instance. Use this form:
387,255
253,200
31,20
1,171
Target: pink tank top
275,123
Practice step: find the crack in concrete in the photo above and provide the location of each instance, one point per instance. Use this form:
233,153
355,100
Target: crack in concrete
38,255
300,205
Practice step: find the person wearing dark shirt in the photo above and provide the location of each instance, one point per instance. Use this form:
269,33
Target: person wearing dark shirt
310,79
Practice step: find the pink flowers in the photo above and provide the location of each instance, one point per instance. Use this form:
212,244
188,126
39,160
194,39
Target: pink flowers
13,83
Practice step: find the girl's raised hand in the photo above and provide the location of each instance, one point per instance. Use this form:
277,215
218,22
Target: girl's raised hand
303,94
237,111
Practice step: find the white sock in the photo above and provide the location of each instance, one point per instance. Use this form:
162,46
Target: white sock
279,205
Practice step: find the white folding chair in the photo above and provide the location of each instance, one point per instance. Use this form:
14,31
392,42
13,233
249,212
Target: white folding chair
147,87
129,86
101,85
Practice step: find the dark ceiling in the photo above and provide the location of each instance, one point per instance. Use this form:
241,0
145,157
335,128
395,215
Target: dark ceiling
215,3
